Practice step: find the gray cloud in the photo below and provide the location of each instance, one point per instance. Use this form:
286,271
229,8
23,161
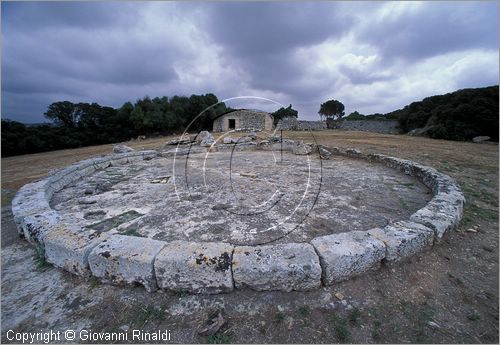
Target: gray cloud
374,57
433,28
254,29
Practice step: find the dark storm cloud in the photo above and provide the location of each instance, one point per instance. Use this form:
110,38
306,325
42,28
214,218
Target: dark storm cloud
372,55
433,28
262,36
62,49
252,29
29,16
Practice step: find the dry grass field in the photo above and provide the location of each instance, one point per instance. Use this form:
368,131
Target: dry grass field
446,295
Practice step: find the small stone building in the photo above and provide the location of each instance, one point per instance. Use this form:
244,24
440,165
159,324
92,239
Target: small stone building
243,119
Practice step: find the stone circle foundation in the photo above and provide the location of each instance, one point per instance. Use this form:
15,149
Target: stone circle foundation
217,266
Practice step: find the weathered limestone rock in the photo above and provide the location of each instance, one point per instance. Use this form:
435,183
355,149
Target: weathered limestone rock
30,200
302,149
403,239
324,153
195,267
183,140
243,140
285,267
442,213
286,145
120,148
481,138
204,138
207,143
36,227
348,254
353,152
70,248
126,260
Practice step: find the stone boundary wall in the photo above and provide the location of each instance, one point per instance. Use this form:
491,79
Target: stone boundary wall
292,124
217,267
383,126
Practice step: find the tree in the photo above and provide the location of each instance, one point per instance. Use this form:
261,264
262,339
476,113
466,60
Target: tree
284,112
62,113
354,116
137,118
331,109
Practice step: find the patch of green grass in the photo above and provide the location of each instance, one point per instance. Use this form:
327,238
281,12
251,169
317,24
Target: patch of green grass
181,293
377,333
474,213
113,222
94,282
483,213
355,317
131,232
220,338
342,332
149,313
7,197
39,258
418,317
473,317
403,204
279,317
305,311
481,194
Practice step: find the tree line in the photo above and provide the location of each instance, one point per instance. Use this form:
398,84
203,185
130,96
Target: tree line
458,115
84,124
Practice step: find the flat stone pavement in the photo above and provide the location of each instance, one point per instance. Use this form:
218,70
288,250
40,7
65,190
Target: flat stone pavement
246,198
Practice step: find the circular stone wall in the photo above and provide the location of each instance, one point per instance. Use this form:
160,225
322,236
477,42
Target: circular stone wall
269,216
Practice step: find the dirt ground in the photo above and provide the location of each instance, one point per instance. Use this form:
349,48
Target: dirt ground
446,295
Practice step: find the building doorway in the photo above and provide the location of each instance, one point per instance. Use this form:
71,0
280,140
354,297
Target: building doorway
231,124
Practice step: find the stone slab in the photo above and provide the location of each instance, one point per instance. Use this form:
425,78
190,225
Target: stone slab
126,260
285,267
195,267
36,227
348,254
403,239
69,248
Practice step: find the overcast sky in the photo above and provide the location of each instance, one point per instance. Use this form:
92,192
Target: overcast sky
373,57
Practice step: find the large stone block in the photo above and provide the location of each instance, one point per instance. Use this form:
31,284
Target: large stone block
348,254
120,148
439,215
35,227
302,149
403,239
285,267
195,267
70,248
126,260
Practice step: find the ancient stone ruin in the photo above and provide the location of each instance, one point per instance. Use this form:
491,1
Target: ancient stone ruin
266,214
243,119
